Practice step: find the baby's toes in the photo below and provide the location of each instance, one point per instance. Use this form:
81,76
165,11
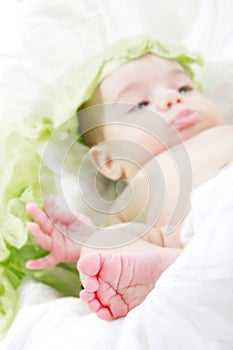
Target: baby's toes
86,296
105,314
90,264
91,284
94,305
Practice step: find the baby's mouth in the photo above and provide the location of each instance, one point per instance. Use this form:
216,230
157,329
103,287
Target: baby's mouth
185,119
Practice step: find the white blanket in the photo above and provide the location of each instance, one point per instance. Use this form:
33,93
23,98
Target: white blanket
191,306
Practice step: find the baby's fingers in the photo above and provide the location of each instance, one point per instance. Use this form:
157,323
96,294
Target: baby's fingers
42,238
49,206
42,263
40,217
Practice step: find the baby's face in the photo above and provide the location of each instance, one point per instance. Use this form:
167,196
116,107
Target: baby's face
163,87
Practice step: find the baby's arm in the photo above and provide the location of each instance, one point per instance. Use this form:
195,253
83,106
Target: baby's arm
202,151
208,152
50,227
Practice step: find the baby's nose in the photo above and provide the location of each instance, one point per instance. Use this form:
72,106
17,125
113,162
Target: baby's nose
167,99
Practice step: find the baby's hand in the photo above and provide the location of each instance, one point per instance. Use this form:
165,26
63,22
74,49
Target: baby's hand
48,230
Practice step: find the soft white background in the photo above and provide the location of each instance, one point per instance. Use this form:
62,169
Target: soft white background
11,17
191,308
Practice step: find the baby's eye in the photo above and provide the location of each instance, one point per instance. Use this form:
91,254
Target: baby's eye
138,106
142,104
185,88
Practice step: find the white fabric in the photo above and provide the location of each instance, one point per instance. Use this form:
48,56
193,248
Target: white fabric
190,307
202,208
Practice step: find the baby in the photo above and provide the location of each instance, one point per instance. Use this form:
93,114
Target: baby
117,281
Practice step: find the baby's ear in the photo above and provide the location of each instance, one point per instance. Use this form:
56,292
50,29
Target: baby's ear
101,158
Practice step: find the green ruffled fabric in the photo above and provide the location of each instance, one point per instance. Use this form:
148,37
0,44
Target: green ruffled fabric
19,184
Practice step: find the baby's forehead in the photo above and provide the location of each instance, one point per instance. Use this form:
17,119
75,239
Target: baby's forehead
141,71
137,71
143,65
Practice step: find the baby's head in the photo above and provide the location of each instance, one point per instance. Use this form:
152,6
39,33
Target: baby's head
161,83
162,86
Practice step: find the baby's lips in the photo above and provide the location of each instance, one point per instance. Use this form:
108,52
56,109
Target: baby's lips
185,119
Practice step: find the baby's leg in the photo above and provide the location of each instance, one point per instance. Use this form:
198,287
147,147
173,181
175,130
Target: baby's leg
115,283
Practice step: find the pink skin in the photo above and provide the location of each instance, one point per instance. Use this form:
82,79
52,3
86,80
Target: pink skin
46,232
116,283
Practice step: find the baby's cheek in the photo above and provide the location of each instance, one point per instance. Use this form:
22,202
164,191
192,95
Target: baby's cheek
212,112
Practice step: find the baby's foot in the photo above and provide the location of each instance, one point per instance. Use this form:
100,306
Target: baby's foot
116,283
